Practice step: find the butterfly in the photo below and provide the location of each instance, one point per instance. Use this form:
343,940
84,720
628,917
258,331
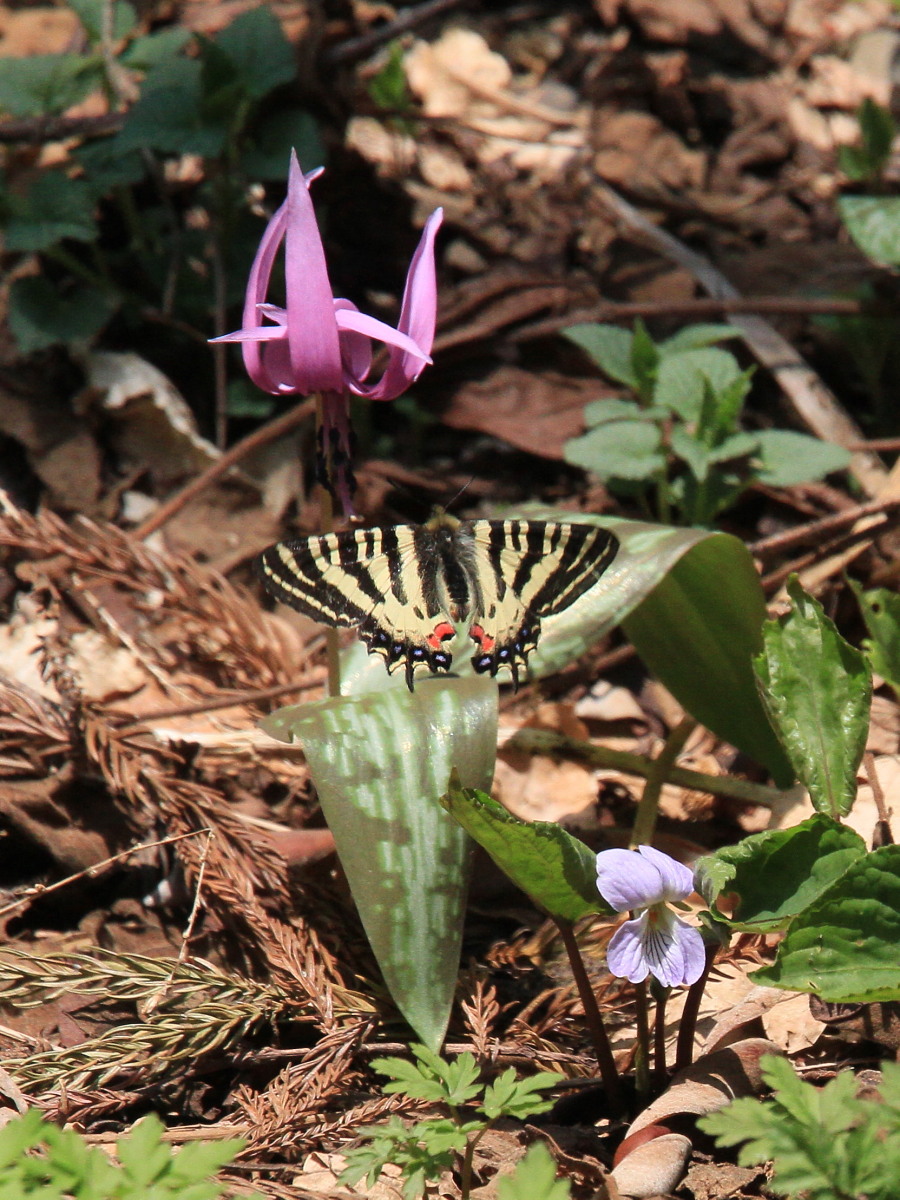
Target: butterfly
406,587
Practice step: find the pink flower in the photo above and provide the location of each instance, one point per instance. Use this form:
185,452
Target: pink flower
322,344
654,942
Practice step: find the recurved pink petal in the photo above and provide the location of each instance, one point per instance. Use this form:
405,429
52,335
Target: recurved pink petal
418,315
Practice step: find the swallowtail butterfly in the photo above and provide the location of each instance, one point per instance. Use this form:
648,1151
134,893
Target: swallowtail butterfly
407,586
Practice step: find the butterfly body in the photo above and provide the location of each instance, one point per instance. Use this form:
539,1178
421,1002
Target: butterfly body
407,587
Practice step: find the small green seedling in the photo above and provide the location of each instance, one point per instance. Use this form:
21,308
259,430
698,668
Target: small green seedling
424,1150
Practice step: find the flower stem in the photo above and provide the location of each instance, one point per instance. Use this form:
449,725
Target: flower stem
645,821
608,1072
685,1046
642,1057
660,995
326,507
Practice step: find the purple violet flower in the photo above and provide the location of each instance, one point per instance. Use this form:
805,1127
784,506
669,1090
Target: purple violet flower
654,942
319,343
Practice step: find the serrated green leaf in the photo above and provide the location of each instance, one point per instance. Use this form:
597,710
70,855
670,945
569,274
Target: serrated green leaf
618,450
148,51
609,347
380,763
880,610
598,412
556,870
843,946
787,458
768,878
42,315
874,224
739,445
682,378
697,337
93,14
260,52
47,84
817,690
55,208
169,115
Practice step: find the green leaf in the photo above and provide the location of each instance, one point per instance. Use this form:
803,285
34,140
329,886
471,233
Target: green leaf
92,15
874,224
682,379
268,153
696,337
41,314
768,878
261,54
609,347
47,84
389,88
380,763
556,870
169,115
618,450
431,1077
644,361
788,458
149,51
597,412
868,160
692,452
739,445
106,165
534,1178
519,1098
817,690
880,610
698,630
843,946
56,207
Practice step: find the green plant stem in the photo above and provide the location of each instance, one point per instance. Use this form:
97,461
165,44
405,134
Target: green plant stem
648,806
72,263
661,996
608,1071
684,1049
642,1057
466,1168
542,741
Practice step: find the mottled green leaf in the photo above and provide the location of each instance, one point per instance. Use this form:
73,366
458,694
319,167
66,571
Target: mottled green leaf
381,762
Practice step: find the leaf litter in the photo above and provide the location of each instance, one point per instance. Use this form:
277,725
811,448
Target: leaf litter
205,954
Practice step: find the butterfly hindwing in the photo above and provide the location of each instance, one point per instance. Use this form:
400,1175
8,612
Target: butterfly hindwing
531,569
384,581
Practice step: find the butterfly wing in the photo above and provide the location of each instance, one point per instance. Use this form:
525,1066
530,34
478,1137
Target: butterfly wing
526,570
383,581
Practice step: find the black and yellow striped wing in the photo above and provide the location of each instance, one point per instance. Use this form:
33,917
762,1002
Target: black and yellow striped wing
407,587
527,570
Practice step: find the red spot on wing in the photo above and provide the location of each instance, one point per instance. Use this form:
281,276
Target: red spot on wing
485,642
440,634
